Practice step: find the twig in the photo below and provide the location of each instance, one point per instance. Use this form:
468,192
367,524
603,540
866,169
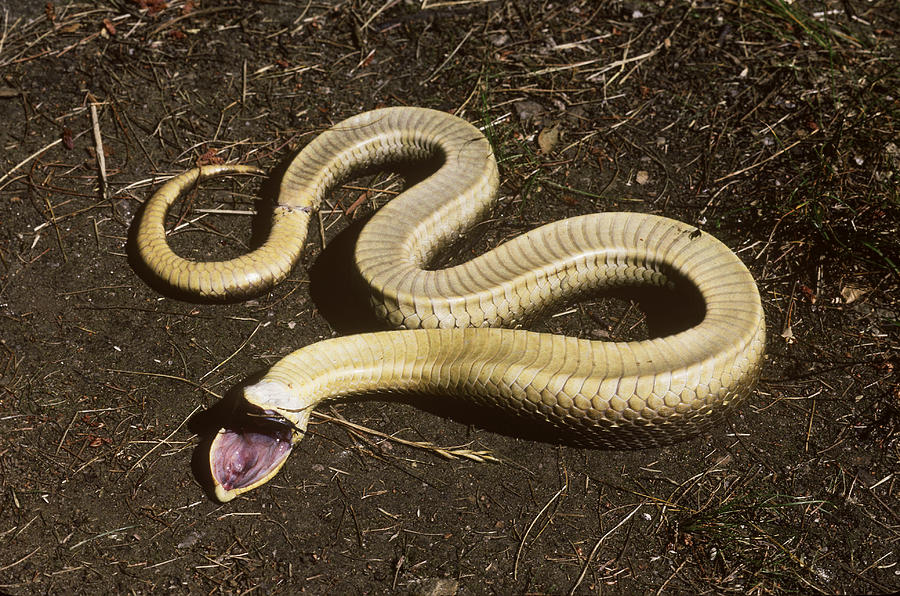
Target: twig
34,155
812,416
233,354
427,5
375,14
597,547
552,69
5,29
190,15
244,83
662,588
595,75
299,19
533,522
98,147
225,211
164,441
101,535
449,56
770,158
53,220
22,560
194,384
447,452
321,227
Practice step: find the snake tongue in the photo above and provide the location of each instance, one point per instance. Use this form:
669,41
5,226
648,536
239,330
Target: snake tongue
248,455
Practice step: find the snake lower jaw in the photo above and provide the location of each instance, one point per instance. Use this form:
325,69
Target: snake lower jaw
250,454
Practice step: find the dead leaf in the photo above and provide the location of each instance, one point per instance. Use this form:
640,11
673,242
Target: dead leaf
808,293
642,177
548,139
359,201
724,460
153,6
528,110
211,157
788,334
853,292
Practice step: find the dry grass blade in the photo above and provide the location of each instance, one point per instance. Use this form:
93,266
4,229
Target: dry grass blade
479,456
533,522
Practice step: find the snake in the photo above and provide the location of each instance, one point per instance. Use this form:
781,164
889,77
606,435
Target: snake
456,332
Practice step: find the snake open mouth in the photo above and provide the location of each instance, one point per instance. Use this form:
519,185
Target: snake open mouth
249,453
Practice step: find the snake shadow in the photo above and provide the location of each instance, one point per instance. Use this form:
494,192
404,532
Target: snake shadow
336,288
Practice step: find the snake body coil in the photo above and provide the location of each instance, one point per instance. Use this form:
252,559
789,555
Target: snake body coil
610,394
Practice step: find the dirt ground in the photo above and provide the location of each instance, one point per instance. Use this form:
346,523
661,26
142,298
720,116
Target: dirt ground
772,125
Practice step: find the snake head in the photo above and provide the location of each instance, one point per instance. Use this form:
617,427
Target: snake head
252,449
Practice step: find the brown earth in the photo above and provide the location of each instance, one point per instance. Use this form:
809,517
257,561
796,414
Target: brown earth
772,125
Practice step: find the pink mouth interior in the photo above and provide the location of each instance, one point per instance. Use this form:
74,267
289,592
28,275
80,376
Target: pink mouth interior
243,456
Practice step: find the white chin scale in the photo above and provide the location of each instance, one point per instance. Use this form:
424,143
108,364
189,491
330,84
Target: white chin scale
274,396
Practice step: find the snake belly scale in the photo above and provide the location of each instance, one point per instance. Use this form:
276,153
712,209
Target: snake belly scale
455,337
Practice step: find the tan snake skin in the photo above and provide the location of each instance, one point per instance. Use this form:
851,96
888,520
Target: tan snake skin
608,394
